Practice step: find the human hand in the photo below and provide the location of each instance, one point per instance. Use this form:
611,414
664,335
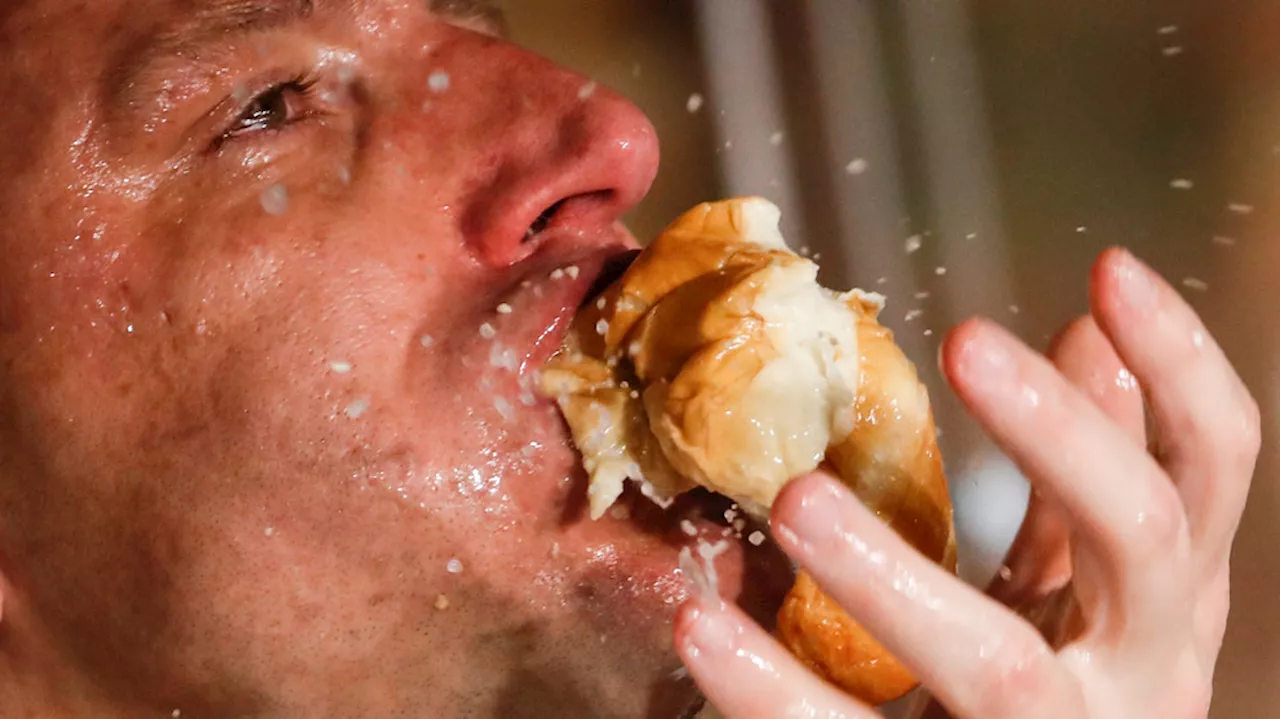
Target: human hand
1143,537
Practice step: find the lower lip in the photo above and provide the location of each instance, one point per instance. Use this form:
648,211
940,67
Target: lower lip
545,305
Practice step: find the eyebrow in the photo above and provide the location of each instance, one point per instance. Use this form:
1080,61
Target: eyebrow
210,20
223,20
488,12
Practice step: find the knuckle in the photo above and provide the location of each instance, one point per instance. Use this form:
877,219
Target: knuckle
1249,442
1162,521
1019,675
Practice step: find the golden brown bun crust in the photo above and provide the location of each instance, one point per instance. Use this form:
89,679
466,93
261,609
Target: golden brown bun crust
678,327
892,463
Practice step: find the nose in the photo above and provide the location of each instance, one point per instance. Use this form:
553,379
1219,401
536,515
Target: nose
574,158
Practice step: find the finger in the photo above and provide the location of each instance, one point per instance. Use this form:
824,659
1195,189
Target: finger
1086,358
1039,562
1206,423
1125,514
746,674
978,658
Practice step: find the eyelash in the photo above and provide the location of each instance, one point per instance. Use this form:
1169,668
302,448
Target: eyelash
296,94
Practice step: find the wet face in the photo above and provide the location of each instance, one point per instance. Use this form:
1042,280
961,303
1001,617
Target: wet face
275,278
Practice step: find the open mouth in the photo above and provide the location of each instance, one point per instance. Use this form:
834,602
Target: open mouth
611,271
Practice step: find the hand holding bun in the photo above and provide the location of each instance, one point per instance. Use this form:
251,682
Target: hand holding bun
717,360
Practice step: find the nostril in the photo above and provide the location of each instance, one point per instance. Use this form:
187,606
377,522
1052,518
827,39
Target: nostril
543,220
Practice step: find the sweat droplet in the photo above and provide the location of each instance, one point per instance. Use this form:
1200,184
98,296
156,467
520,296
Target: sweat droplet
694,103
587,90
487,331
1182,184
340,366
274,200
454,566
438,81
912,244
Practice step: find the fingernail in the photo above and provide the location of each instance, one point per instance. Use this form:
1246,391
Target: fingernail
711,632
819,518
1137,283
988,356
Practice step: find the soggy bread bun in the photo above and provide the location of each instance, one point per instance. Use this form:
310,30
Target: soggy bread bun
717,360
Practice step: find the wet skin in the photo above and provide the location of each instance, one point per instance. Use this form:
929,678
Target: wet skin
248,412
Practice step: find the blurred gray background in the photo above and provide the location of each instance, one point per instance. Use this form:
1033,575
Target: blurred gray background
1009,141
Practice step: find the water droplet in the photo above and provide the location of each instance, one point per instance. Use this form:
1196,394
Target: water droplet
1224,241
856,166
357,408
269,531
586,91
1172,51
1195,283
756,538
454,566
274,200
426,340
1240,208
504,309
340,366
504,409
1182,183
776,138
912,244
694,103
487,331
346,74
438,81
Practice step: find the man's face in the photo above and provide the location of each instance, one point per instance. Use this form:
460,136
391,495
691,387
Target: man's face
275,278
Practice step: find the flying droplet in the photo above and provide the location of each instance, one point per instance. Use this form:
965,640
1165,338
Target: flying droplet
856,166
